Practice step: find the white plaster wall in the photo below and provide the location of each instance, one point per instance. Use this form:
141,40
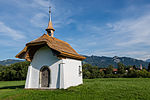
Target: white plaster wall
42,57
71,72
27,84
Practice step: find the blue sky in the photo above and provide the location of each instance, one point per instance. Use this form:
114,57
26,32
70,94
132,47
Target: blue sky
91,27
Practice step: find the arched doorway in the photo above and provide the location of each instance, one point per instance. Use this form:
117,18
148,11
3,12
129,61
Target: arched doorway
45,76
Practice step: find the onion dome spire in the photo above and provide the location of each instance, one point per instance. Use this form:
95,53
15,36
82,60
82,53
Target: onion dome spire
50,30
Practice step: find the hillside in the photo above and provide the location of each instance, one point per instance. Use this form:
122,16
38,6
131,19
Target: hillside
9,61
105,61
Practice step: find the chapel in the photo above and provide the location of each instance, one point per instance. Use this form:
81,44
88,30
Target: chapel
54,63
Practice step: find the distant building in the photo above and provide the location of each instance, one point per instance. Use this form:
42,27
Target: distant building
54,63
103,69
115,70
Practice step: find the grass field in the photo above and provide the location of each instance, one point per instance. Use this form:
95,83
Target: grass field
92,89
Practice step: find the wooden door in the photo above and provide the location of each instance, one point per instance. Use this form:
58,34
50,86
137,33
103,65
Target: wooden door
45,77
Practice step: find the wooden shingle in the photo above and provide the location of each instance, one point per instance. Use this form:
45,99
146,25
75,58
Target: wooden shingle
63,49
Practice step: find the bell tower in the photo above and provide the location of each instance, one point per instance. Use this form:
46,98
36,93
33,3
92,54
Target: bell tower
50,30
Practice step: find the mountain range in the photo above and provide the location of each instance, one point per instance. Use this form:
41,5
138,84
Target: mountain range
148,60
100,61
103,61
9,61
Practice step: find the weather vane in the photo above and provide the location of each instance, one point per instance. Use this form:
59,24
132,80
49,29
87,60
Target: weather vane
49,11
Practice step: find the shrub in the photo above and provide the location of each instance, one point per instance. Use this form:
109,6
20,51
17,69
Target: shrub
101,74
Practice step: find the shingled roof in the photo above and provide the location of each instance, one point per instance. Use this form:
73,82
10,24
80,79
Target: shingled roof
60,48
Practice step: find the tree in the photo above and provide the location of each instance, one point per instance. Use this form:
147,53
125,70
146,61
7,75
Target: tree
17,71
121,68
149,67
86,70
101,74
90,71
87,75
109,69
94,72
134,67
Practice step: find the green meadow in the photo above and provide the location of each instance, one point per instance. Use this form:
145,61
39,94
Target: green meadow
92,89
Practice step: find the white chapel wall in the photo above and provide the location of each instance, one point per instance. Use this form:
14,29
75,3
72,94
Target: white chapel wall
43,57
72,77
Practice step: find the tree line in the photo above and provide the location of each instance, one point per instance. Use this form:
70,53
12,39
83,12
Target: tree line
17,71
90,72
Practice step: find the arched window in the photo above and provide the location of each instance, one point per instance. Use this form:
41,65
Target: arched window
44,76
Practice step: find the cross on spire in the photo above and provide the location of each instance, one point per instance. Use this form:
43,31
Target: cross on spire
50,13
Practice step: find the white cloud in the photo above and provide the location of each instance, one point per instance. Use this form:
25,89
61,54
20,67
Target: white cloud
38,20
11,33
126,37
133,31
61,14
43,3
